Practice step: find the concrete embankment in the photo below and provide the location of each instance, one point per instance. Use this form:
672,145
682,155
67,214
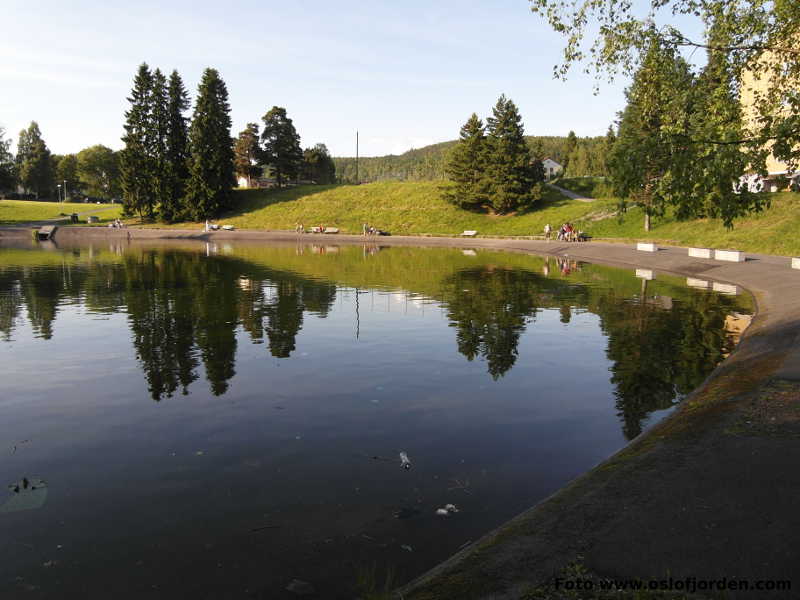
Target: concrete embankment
709,493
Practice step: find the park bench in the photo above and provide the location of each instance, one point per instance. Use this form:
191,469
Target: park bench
331,230
469,233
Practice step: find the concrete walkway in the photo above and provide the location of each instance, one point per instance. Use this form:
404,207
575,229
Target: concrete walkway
570,194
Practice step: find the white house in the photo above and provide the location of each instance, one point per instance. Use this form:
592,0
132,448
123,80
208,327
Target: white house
551,168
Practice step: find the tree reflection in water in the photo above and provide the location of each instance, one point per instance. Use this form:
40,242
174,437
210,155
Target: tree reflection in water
184,309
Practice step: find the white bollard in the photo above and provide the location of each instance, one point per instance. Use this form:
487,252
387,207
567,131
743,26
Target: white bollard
697,283
701,252
725,288
646,247
729,255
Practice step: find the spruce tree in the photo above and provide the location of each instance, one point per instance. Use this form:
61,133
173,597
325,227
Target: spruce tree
509,177
281,145
159,129
465,166
177,151
34,165
136,165
211,149
246,153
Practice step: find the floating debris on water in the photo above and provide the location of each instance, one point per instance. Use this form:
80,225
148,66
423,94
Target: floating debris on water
404,461
448,510
27,493
407,548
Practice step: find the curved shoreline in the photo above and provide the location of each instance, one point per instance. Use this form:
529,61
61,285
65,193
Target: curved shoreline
708,492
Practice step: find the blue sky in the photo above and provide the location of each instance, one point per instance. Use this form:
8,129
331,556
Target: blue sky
405,74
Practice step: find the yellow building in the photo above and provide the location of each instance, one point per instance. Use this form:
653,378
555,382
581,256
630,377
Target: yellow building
756,84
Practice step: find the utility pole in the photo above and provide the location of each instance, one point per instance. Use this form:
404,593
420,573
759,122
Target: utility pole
356,156
65,190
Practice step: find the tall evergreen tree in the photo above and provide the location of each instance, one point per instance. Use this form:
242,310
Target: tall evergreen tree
281,145
176,150
465,166
136,164
508,174
159,130
8,171
34,166
246,153
211,148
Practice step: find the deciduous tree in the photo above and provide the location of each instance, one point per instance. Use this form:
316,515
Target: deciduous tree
318,165
650,161
8,172
98,171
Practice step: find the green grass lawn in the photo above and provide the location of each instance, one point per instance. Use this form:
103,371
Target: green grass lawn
401,208
14,212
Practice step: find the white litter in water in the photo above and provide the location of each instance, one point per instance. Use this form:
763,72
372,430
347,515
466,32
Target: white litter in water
404,462
448,510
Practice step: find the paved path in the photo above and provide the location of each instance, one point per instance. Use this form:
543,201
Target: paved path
570,194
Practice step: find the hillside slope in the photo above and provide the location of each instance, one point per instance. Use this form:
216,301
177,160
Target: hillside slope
417,208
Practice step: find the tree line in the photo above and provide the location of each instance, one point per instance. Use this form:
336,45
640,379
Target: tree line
171,167
93,172
174,168
586,154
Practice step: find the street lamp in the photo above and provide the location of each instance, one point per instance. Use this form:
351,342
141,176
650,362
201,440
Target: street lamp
65,190
59,192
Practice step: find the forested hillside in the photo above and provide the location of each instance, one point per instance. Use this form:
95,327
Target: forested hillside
425,164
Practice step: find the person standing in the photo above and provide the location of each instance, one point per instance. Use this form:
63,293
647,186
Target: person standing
547,231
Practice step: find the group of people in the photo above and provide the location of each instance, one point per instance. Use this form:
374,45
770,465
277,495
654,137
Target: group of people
566,233
117,224
367,229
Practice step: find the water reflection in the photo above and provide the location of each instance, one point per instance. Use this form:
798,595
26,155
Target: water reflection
184,308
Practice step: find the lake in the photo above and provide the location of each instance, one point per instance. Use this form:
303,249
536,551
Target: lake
218,420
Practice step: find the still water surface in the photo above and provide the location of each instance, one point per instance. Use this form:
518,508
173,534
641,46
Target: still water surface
215,421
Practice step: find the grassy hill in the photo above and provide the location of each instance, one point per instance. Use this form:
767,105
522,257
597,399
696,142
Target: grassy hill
401,208
417,208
